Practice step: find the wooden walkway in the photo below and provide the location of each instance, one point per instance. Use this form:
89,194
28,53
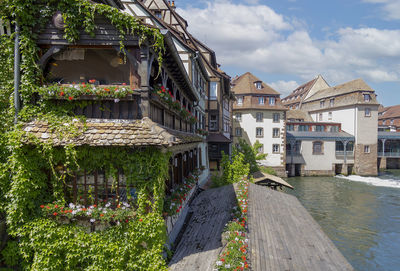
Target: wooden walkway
284,236
201,241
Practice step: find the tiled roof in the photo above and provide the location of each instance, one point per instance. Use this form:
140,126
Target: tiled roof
99,132
298,114
390,112
244,84
217,137
352,86
300,92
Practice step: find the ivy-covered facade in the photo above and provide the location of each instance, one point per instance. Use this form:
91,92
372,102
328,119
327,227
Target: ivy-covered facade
108,146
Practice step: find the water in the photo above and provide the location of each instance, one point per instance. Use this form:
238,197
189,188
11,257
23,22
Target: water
361,215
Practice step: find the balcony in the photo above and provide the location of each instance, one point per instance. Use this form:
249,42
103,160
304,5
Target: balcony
348,153
389,154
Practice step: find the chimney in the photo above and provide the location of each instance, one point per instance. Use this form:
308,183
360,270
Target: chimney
173,5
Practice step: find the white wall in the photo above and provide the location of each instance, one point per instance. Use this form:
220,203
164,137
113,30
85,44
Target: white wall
345,116
249,125
319,162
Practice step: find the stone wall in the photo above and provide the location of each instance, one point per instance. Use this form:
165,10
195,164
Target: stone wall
365,164
311,173
393,163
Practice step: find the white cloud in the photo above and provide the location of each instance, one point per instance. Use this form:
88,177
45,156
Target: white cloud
256,37
390,7
284,87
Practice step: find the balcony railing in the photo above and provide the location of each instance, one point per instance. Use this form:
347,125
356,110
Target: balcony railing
389,154
348,153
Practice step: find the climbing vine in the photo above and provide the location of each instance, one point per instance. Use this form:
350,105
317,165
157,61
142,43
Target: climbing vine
28,173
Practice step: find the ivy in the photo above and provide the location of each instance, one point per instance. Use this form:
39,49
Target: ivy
28,175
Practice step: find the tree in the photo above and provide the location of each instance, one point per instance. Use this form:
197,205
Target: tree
251,154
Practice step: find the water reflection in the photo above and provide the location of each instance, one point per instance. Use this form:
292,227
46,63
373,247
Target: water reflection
362,220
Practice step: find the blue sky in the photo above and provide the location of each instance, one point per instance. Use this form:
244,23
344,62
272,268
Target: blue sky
288,42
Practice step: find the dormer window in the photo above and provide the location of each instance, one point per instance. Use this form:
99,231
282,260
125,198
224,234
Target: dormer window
258,84
367,98
261,100
272,101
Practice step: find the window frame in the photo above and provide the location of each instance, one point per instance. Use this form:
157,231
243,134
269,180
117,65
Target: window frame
367,149
238,116
367,112
320,151
278,134
367,97
259,119
240,100
261,100
262,132
278,119
278,148
212,89
238,131
272,101
321,104
213,122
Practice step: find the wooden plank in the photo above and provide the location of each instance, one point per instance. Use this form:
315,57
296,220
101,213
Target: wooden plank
284,236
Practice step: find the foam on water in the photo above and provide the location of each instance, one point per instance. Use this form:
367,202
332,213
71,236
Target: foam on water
384,181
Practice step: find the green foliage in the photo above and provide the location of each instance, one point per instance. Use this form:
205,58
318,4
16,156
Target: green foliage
232,171
251,154
27,172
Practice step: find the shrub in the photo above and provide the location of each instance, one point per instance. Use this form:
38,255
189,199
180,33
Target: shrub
251,154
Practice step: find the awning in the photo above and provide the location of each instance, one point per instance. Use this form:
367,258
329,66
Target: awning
261,178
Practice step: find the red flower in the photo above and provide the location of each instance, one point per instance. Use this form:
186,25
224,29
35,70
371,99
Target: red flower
92,81
48,207
124,84
54,213
70,98
56,206
126,220
222,260
107,89
95,206
101,215
140,219
42,206
62,93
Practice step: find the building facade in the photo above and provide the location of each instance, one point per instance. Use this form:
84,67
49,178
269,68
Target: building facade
260,116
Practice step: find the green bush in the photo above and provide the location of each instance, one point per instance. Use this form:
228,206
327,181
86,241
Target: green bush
268,170
232,171
251,154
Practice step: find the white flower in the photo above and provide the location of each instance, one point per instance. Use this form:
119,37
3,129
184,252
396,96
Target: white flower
108,205
116,100
92,220
218,263
227,265
74,212
246,240
71,205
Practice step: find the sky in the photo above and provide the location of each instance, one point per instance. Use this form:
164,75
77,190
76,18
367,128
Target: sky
289,42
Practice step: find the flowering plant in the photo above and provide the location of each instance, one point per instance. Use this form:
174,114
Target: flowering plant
73,91
176,201
122,213
202,132
235,254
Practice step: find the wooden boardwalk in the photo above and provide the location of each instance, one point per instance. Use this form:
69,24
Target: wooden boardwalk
201,241
284,236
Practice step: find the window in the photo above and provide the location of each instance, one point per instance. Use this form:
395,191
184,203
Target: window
213,122
275,132
331,102
334,129
258,84
275,148
303,128
367,112
259,132
213,90
238,131
367,149
238,116
367,98
260,100
240,100
261,149
290,127
259,116
320,117
391,121
322,104
317,148
158,14
330,116
319,128
272,101
276,117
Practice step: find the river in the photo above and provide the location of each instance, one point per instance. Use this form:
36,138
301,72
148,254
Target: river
361,215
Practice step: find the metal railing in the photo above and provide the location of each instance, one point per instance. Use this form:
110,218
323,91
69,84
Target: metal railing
389,154
348,153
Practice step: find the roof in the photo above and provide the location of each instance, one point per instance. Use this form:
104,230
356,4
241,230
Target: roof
319,135
264,178
298,114
299,92
217,137
348,87
105,132
390,112
388,135
244,84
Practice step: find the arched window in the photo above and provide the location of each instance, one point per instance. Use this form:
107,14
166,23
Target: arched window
318,147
